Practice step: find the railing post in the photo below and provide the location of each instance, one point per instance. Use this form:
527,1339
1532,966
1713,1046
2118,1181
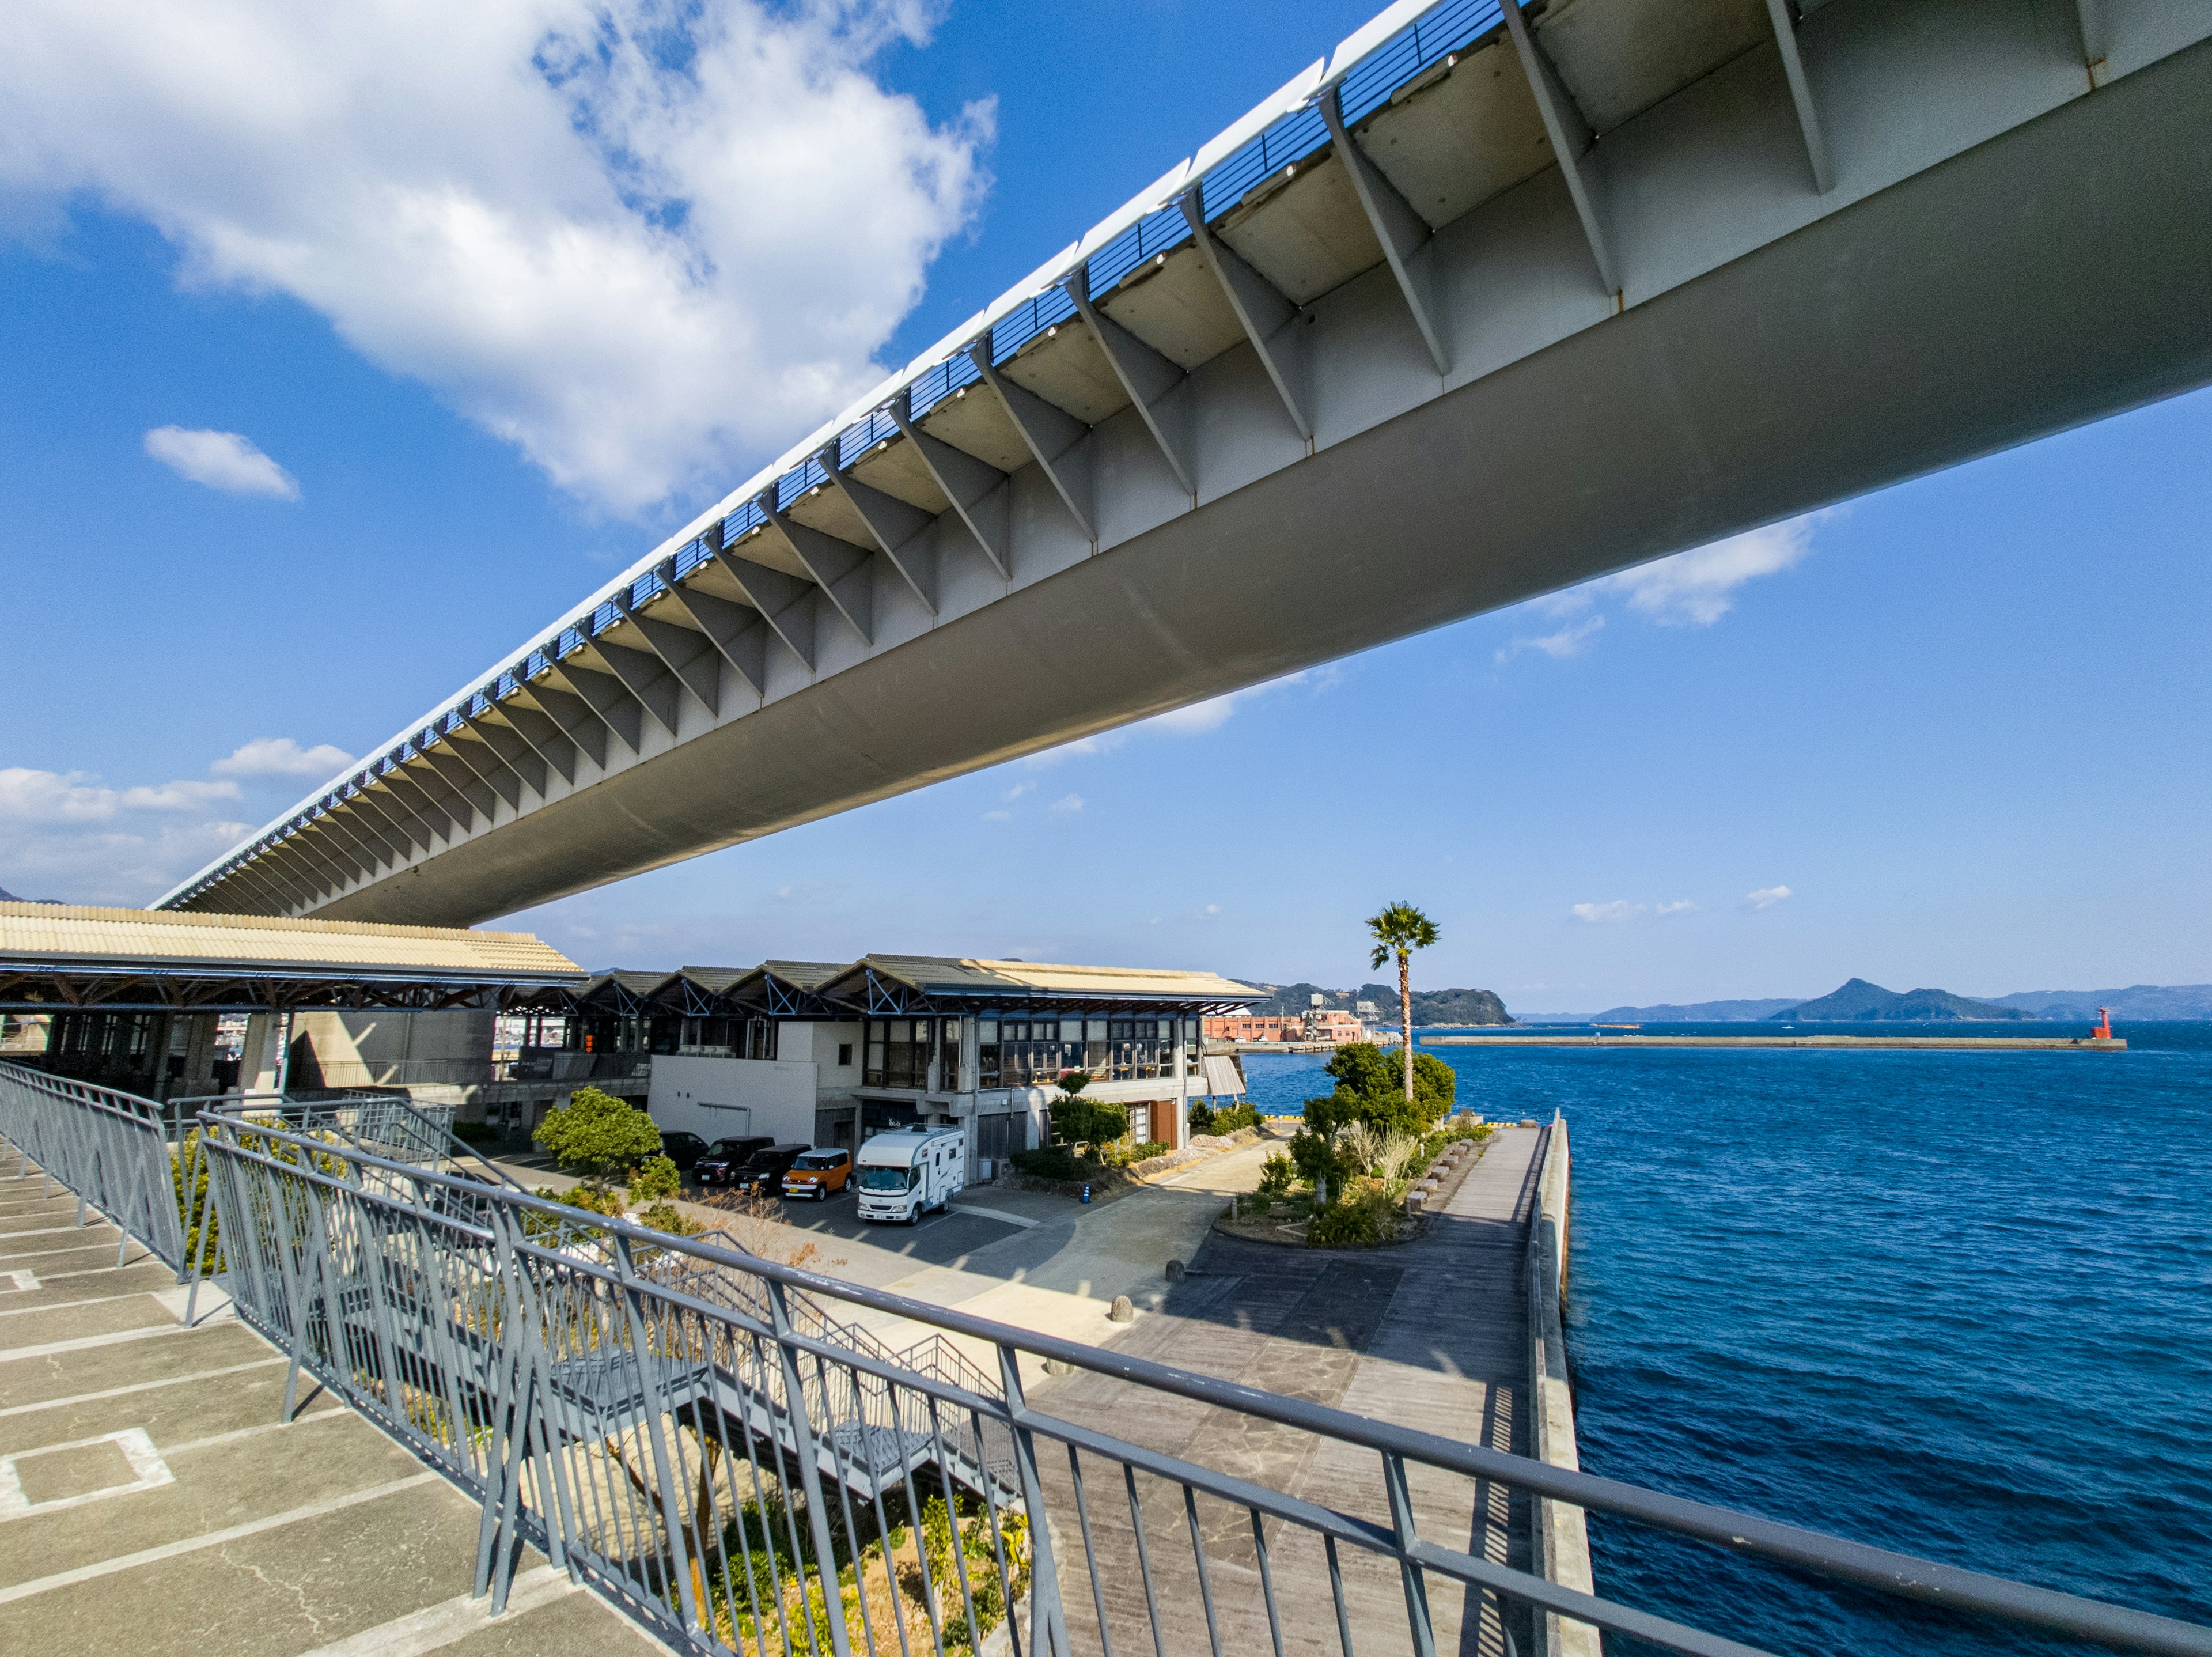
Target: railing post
672,1505
810,1470
1402,1533
1048,1619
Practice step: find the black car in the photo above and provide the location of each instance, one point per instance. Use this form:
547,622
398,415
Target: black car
764,1171
684,1149
720,1163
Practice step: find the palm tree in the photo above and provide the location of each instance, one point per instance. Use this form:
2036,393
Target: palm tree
1400,930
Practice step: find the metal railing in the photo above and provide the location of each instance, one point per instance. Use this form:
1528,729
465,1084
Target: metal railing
109,1147
691,1430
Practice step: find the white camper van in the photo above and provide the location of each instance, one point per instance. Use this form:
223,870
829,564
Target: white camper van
902,1175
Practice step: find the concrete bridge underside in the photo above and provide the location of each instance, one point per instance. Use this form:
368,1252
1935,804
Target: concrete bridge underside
1790,347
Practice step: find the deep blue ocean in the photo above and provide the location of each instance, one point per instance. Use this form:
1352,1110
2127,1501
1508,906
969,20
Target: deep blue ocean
1956,1304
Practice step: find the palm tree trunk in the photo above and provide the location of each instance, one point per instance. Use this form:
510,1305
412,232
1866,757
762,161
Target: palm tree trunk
1406,1014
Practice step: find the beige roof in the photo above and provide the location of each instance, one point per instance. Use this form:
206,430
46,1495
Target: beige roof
947,973
66,934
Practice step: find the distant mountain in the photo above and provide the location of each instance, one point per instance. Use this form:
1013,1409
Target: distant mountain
1859,1001
2184,1001
7,897
1431,1007
1696,1012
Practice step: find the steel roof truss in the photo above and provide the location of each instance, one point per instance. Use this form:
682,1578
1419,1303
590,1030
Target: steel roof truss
690,655
1270,321
740,633
1054,438
785,602
1801,89
840,569
513,750
1405,234
1155,385
976,489
1570,137
542,733
901,530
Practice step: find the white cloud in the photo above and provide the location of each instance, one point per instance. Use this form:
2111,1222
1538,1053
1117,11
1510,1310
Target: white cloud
280,756
1068,805
640,241
1621,909
1567,642
48,799
998,816
220,460
1766,897
62,834
1697,588
1017,791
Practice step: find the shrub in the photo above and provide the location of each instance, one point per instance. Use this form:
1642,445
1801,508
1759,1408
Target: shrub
1053,1163
1371,1085
1077,1121
597,1134
1228,1120
1316,1158
666,1217
1276,1174
593,1200
1361,1219
655,1181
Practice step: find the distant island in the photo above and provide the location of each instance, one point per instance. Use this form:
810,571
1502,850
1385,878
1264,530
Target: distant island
1431,1007
2184,1003
1859,1002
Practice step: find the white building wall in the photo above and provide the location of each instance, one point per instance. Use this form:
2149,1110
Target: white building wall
725,1098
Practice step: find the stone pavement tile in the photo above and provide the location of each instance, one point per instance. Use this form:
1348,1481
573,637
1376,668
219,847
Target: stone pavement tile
74,1323
70,1375
180,1412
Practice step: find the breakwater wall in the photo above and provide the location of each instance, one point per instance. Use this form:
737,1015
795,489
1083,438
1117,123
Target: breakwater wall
1944,1044
1560,1535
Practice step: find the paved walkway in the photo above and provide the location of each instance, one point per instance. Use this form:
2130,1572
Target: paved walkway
1432,1335
152,1500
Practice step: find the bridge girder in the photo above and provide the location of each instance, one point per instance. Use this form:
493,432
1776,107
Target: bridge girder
1539,314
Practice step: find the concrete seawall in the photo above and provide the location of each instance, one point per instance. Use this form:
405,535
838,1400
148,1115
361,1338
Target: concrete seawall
1560,1535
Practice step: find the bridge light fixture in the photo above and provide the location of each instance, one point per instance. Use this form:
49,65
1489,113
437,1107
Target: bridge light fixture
1052,332
961,393
1159,258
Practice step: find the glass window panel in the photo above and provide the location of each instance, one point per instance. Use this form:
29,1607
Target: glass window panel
1071,1030
1094,1030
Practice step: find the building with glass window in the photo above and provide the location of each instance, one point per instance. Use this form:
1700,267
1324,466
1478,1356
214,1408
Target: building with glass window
833,1053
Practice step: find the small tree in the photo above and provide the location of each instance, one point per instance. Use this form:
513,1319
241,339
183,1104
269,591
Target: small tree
1400,930
1368,1089
598,1135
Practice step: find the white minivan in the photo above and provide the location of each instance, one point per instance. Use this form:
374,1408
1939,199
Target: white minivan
902,1175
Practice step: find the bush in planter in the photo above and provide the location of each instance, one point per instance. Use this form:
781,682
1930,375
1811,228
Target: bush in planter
1276,1174
1079,1121
1359,1219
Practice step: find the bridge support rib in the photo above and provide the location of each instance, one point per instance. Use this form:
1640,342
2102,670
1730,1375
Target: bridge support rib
1156,385
840,569
900,529
1404,234
1270,321
1801,94
1054,438
1570,137
978,491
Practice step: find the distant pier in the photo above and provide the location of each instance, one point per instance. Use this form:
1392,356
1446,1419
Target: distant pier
1952,1044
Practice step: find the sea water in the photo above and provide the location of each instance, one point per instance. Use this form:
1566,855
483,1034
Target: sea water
1956,1304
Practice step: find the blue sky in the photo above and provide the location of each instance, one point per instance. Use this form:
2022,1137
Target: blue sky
1950,735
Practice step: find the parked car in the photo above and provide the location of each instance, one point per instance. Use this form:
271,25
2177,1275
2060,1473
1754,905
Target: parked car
725,1158
764,1169
684,1149
819,1174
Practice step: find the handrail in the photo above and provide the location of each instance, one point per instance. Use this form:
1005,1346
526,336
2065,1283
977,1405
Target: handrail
1884,1570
